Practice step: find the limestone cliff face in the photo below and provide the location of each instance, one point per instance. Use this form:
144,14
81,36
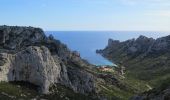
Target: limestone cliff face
15,38
35,65
26,54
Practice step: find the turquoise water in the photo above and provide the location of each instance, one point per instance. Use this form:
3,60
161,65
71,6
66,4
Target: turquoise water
87,42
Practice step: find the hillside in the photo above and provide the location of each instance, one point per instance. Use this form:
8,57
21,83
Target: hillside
34,66
145,59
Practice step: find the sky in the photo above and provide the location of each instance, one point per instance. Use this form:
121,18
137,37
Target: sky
69,15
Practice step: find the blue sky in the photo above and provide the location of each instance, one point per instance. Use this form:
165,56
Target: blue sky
122,15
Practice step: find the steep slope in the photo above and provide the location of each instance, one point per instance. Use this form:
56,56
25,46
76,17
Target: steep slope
162,92
26,54
33,66
141,56
145,59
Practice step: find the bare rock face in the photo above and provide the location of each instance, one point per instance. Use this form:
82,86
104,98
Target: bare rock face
161,45
113,42
142,46
26,54
34,65
17,37
81,80
5,66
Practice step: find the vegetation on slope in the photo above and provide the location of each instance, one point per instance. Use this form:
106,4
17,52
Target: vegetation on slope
111,86
146,60
27,91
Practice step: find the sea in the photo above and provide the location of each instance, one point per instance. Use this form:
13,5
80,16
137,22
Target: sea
87,42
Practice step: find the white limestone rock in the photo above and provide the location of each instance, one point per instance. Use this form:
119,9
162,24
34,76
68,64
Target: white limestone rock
34,65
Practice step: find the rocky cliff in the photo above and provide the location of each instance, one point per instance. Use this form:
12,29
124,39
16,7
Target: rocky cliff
139,51
26,54
142,46
31,61
146,59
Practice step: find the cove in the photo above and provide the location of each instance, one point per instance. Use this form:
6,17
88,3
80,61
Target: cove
86,43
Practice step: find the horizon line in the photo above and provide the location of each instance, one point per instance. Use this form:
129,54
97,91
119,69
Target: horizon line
106,30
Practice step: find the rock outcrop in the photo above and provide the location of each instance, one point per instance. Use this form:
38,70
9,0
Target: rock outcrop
133,48
145,59
26,54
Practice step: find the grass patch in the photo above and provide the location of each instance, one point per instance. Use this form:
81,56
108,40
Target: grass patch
16,91
60,92
115,93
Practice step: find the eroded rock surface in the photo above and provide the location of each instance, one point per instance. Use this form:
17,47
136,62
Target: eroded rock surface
142,46
26,54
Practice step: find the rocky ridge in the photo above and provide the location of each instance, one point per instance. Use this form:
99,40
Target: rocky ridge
29,58
146,59
26,54
142,46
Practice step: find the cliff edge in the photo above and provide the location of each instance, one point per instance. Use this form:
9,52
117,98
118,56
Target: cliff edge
26,54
